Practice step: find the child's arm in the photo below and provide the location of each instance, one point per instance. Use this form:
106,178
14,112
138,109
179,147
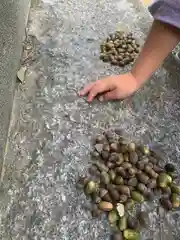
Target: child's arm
160,42
163,37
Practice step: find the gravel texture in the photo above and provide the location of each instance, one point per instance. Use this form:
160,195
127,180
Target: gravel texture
52,128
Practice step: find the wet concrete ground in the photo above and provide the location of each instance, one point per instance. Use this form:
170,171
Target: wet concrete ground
52,128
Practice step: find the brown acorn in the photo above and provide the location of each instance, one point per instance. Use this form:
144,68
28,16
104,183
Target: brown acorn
132,172
140,165
120,171
148,169
112,175
152,183
105,178
105,155
110,165
142,188
93,170
114,147
143,178
114,194
100,139
119,180
166,203
126,165
123,189
117,236
107,198
114,157
105,206
126,157
133,182
132,223
123,198
96,212
133,157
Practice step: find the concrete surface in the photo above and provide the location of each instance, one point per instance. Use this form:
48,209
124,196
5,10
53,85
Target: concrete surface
52,128
13,18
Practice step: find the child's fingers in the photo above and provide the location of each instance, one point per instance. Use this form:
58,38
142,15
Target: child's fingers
86,89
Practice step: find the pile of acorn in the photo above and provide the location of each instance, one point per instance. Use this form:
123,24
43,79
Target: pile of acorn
124,174
119,49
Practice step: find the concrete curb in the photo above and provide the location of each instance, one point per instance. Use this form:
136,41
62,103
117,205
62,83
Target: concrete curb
13,21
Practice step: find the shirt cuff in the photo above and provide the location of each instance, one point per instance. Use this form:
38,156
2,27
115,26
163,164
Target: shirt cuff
167,11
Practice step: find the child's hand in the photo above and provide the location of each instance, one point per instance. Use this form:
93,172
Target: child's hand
111,88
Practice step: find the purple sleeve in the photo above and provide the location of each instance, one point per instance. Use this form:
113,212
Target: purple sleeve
167,11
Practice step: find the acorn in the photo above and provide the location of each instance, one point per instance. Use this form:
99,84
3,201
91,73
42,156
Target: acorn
90,187
95,198
123,198
120,209
145,150
120,171
133,182
122,225
114,157
95,211
107,198
148,169
126,165
100,139
110,165
117,236
105,206
158,169
95,154
114,194
101,166
153,160
143,178
130,234
170,168
140,165
119,180
142,188
149,195
175,200
123,147
132,223
166,190
152,183
129,205
112,175
114,147
105,178
82,181
166,203
132,172
102,192
94,171
106,147
123,190
105,155
137,197
126,157
164,180
175,188
143,218
113,216
133,157
99,147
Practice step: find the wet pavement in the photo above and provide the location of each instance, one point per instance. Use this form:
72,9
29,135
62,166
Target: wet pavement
52,128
